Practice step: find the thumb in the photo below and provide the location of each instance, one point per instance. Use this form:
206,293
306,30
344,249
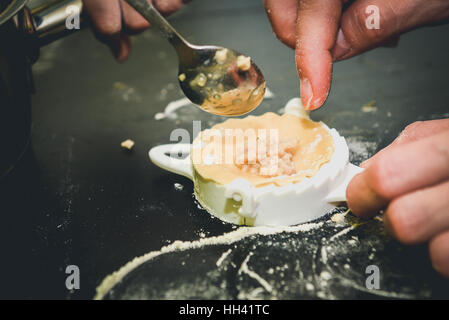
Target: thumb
367,24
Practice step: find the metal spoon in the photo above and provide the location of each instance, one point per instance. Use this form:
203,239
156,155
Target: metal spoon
219,80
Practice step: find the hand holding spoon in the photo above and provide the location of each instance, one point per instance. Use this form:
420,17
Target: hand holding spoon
219,80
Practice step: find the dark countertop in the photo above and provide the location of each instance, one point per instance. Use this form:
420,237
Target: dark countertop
77,198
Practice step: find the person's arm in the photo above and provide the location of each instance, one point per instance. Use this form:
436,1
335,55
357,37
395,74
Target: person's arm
114,21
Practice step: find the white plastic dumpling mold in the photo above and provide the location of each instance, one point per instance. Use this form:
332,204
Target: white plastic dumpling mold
239,202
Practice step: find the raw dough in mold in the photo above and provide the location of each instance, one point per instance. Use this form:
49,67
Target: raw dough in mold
312,148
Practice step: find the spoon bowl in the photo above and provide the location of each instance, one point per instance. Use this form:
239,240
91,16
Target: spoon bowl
220,81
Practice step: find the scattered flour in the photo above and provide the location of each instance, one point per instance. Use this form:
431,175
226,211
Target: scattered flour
223,257
228,238
245,269
342,232
178,187
126,92
325,275
310,286
170,109
360,149
324,254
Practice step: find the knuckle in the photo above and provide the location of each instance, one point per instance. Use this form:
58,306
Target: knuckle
410,131
168,7
412,127
108,28
379,174
137,25
287,38
364,33
402,221
360,31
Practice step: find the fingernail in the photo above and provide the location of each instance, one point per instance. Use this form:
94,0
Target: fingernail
341,47
318,102
306,93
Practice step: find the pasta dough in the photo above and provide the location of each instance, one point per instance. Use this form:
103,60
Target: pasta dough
302,147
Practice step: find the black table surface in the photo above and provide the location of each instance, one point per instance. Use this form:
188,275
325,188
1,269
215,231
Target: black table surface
79,199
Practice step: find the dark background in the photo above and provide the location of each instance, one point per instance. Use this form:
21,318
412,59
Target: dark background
77,198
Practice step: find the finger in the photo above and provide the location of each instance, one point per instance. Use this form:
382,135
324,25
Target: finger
439,253
422,129
399,170
106,18
282,16
420,215
167,7
413,132
316,31
122,48
371,23
133,21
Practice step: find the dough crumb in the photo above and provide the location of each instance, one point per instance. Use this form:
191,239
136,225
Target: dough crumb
338,218
221,56
370,107
243,63
272,165
379,218
200,80
182,77
127,144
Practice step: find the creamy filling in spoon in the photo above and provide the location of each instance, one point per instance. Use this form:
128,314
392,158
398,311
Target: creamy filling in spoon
219,80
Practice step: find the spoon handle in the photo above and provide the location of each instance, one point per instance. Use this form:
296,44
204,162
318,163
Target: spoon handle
156,19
